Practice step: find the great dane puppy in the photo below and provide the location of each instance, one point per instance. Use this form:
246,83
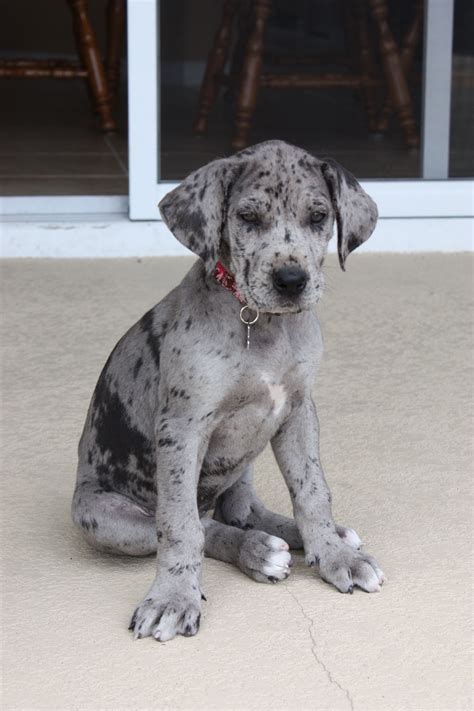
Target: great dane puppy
183,407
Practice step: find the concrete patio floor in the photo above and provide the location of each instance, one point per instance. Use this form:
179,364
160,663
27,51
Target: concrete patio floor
394,397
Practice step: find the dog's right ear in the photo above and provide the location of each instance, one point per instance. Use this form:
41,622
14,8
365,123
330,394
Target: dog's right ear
196,211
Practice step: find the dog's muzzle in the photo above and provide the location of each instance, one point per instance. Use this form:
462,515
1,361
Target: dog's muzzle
289,280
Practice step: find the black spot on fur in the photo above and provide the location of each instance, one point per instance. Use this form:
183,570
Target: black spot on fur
178,569
136,367
90,523
193,222
118,443
152,337
206,498
166,442
246,271
341,173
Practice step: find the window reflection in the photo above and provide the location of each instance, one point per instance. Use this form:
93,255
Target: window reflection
319,81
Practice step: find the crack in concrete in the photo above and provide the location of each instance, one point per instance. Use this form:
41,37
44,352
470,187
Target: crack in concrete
319,661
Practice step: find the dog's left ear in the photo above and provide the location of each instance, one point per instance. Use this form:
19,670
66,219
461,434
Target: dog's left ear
356,212
196,211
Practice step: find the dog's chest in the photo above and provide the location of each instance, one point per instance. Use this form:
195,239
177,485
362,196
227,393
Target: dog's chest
249,417
276,392
259,389
245,426
254,413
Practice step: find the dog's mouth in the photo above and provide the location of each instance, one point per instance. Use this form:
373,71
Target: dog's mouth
280,305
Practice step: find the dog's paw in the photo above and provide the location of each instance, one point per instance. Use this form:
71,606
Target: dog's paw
163,618
344,567
263,557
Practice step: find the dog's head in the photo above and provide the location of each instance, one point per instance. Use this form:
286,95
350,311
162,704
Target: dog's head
268,214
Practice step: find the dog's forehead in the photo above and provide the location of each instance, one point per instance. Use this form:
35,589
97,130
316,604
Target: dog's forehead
279,170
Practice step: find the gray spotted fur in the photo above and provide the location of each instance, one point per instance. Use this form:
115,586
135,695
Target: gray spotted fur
181,409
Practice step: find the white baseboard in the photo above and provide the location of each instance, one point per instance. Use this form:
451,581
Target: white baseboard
117,236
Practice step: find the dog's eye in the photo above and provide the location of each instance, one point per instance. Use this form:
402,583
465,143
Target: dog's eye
317,217
251,217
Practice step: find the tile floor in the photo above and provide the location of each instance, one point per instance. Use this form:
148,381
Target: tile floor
50,143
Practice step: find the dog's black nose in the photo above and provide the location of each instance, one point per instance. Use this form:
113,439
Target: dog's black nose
289,281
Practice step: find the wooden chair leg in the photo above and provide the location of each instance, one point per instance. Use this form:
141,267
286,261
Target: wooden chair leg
115,31
397,84
367,63
409,46
244,28
250,74
89,52
215,67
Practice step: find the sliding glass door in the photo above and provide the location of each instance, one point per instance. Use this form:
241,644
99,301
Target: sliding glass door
384,87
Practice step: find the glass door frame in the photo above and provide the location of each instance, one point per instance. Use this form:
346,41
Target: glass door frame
431,196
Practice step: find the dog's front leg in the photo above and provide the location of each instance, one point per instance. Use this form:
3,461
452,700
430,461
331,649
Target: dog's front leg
173,603
296,448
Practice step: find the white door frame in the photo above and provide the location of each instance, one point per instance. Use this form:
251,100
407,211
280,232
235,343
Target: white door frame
436,102
143,112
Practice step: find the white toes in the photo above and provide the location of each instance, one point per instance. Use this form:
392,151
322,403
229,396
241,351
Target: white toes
143,619
366,578
264,558
345,567
351,538
378,572
177,621
166,628
278,543
277,565
281,558
163,621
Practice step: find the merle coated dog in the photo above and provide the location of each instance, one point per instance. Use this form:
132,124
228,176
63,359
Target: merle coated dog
195,390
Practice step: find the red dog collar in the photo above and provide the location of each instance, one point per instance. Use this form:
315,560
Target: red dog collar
227,280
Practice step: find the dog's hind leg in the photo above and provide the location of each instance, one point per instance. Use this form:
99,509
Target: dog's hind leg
263,557
112,522
240,506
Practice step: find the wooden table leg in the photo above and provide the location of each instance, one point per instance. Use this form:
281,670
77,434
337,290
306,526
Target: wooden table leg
215,67
397,84
89,52
250,74
115,31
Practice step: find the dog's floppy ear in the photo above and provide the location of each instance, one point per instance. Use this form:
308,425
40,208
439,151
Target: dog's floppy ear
196,211
356,212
